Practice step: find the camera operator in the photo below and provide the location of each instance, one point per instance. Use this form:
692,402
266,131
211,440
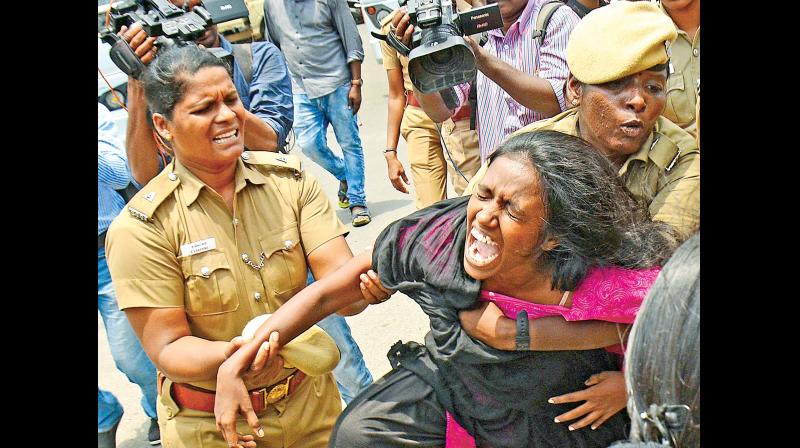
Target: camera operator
520,79
267,97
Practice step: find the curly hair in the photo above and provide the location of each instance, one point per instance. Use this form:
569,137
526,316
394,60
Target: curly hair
165,79
588,210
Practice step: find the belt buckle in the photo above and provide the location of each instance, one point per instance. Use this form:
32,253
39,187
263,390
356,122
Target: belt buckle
278,392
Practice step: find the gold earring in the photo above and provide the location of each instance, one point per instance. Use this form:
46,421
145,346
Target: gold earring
574,102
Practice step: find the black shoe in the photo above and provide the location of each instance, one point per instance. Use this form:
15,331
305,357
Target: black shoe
108,439
154,433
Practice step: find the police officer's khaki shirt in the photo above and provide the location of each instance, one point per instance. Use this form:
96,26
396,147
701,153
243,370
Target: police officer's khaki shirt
176,244
664,172
683,81
391,58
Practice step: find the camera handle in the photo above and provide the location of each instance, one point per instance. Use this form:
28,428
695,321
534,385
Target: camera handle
123,55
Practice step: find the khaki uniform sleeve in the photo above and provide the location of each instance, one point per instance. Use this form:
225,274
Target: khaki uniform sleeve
318,222
144,269
678,202
390,59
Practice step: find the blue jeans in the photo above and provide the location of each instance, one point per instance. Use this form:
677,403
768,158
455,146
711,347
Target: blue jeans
352,375
126,350
311,119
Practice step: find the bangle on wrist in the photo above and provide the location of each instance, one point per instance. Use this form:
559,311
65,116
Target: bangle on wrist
523,339
389,150
357,82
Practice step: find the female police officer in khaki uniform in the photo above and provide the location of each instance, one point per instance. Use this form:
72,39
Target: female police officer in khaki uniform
221,236
617,57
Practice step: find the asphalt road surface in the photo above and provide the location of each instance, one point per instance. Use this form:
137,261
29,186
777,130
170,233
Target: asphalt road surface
375,329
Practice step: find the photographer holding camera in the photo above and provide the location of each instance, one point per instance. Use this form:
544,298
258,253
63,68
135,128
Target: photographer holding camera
267,97
520,76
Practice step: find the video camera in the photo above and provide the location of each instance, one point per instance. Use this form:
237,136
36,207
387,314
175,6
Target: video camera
171,25
440,57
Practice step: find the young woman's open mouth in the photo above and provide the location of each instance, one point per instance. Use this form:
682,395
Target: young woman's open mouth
482,251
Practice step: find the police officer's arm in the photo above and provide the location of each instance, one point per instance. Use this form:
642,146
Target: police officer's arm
149,283
677,202
489,325
396,105
168,342
271,111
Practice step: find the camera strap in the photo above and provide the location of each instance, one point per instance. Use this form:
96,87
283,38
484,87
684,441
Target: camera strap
393,41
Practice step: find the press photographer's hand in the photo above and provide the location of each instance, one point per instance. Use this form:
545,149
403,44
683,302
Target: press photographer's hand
142,44
402,27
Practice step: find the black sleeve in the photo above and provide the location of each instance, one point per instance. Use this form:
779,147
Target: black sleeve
425,249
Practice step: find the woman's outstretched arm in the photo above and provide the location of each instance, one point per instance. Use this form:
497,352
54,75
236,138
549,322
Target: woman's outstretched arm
489,325
320,299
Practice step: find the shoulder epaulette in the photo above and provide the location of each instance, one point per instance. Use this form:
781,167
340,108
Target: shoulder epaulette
671,142
274,159
146,201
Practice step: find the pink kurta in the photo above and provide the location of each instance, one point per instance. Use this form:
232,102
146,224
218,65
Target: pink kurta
610,294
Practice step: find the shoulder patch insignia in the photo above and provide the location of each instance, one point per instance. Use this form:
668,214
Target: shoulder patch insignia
273,159
144,204
137,214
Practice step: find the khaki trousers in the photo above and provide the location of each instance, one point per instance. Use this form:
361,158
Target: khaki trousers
303,420
428,160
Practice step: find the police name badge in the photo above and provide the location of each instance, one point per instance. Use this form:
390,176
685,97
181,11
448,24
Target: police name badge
198,247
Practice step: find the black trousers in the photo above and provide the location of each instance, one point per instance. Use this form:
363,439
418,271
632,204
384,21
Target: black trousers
398,410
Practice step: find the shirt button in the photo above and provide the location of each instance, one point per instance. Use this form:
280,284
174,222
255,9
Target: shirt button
505,47
172,176
696,52
287,244
235,221
257,296
245,155
205,271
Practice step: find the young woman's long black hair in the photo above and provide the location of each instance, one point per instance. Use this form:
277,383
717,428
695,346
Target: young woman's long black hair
588,210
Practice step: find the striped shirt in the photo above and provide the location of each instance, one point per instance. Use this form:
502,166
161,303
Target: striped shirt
112,170
498,114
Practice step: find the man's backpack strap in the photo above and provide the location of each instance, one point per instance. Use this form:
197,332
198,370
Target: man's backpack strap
579,9
543,18
243,55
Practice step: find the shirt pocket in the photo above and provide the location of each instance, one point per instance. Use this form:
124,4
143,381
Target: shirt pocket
285,271
210,286
679,108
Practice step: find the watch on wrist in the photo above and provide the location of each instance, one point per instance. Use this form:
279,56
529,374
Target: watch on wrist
523,339
390,150
357,82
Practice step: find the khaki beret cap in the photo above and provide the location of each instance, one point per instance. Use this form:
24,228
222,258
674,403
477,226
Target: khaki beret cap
618,40
313,351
